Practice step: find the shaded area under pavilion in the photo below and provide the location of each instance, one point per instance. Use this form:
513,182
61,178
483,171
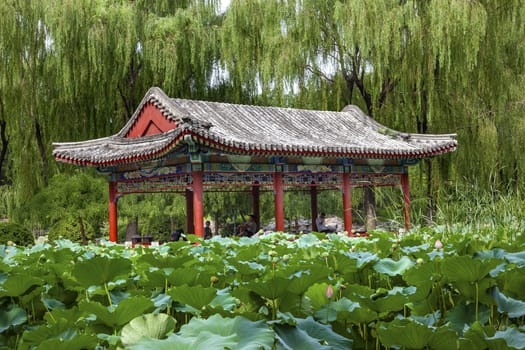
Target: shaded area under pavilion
190,146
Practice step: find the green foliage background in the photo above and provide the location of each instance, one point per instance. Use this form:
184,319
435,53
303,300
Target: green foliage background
15,233
76,70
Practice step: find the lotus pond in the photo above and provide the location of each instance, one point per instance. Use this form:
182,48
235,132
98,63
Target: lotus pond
426,290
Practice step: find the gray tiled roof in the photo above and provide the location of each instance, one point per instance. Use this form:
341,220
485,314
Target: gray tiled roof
256,130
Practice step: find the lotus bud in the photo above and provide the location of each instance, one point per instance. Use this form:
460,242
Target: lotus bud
329,291
420,261
438,245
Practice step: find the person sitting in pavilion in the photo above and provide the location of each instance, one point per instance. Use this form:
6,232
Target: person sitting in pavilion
207,230
251,226
322,226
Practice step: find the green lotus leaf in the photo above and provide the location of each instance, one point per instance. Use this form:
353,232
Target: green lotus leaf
301,280
246,334
72,315
180,277
224,300
428,320
363,258
112,340
512,337
194,296
392,267
249,267
60,334
413,249
308,240
510,306
515,282
497,253
467,269
120,314
18,284
443,338
468,290
167,261
14,315
77,342
100,270
473,337
310,335
516,258
345,309
465,314
344,265
161,301
316,294
271,289
155,279
404,333
421,276
3,274
156,326
52,304
66,244
176,342
393,299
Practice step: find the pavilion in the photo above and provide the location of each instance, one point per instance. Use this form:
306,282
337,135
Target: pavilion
190,146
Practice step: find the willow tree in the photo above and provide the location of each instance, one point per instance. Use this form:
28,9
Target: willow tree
75,70
23,80
409,64
493,108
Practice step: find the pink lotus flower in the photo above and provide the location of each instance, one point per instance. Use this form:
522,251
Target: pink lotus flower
438,245
329,291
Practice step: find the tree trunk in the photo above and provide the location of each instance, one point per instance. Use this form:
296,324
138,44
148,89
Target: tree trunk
422,127
3,150
217,222
41,150
4,141
82,231
370,208
431,208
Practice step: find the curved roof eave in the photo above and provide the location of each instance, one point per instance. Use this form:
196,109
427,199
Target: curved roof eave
255,130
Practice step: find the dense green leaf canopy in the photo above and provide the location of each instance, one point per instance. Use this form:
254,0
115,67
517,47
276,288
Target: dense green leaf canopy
76,70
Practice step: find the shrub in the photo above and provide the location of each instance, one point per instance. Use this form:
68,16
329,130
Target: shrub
16,233
70,228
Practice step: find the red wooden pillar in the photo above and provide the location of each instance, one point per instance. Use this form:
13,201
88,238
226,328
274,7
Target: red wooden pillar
278,199
256,208
347,204
113,222
313,206
406,199
189,211
198,212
